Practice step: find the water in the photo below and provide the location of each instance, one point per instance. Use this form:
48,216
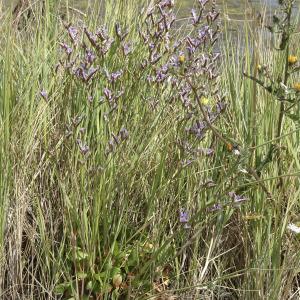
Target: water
237,10
235,7
234,11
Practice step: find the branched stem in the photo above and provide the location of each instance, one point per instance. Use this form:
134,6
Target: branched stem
205,116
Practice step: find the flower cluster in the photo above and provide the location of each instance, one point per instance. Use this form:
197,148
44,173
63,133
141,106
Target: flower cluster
183,68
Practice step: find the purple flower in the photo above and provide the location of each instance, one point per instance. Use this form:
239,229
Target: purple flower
237,198
92,38
102,34
77,120
166,3
116,140
114,76
44,95
123,134
108,94
90,57
196,18
186,162
206,151
67,49
84,149
220,107
198,129
155,57
119,32
126,48
106,46
203,2
216,207
203,32
73,33
160,76
85,74
183,216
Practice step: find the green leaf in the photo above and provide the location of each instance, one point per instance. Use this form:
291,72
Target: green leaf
62,287
116,249
90,285
81,275
100,276
115,271
94,286
133,258
108,265
80,255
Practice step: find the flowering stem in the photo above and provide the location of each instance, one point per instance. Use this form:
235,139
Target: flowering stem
206,118
286,70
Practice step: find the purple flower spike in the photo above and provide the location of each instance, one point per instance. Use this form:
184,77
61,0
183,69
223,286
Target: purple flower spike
84,149
123,134
90,57
102,34
166,3
196,18
237,198
126,49
183,217
73,33
108,94
91,72
116,75
67,49
216,207
203,2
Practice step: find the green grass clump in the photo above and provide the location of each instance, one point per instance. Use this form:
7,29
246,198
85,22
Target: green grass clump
140,160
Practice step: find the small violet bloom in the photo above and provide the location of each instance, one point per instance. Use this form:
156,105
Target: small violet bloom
183,216
216,207
44,95
237,198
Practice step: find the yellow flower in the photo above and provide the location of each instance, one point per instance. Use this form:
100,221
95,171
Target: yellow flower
297,86
259,68
148,246
292,59
204,101
181,58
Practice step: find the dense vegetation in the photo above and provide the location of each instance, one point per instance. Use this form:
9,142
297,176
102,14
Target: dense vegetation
145,159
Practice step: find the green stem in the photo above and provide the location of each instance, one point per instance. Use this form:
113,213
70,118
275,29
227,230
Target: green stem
285,79
286,70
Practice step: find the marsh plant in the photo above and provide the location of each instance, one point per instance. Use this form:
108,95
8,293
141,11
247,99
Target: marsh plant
169,74
126,169
281,84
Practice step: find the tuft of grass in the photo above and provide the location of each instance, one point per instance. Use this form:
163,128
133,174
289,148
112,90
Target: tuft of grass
118,198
